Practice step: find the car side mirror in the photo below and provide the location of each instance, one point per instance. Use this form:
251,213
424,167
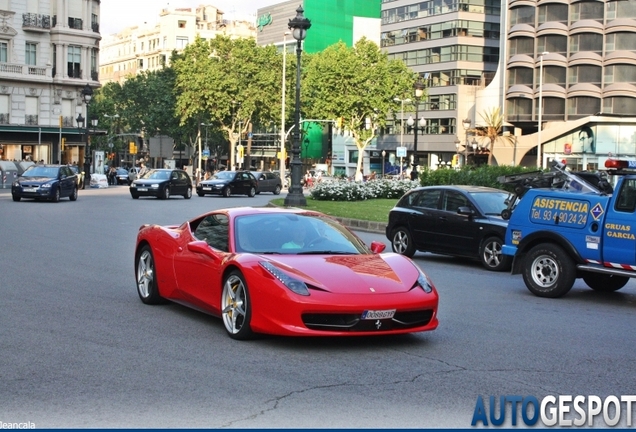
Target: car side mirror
377,247
201,247
466,211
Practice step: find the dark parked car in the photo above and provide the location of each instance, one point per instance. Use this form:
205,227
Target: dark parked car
162,183
50,182
451,220
268,182
227,183
121,176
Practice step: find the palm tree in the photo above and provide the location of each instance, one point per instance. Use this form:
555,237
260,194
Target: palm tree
492,130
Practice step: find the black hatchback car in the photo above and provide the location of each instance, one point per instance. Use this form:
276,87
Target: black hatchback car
461,221
50,182
227,183
162,183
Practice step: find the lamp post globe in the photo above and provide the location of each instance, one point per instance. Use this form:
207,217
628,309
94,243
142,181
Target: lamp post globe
298,26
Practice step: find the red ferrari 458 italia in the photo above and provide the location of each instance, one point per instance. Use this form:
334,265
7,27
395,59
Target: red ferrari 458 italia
283,272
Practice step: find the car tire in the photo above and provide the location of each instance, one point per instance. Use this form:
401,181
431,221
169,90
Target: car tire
201,194
56,195
252,192
188,193
227,192
402,242
236,308
145,270
604,282
134,196
165,194
73,195
491,255
548,271
277,190
16,198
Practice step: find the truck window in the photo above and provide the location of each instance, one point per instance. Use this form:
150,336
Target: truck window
626,201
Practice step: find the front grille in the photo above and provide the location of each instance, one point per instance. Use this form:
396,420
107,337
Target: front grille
353,323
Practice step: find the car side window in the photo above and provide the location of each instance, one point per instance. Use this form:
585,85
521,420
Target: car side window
453,201
214,230
174,175
627,197
428,199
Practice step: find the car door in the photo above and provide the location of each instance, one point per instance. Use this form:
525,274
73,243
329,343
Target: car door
459,234
67,181
423,218
176,187
263,182
244,182
198,275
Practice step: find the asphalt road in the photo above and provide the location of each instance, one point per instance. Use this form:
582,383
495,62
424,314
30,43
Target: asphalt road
78,348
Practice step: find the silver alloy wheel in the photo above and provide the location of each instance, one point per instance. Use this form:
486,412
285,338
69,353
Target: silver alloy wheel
145,274
400,242
545,271
234,304
492,254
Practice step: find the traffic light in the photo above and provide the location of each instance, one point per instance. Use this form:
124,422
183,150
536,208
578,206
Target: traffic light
132,147
63,144
455,160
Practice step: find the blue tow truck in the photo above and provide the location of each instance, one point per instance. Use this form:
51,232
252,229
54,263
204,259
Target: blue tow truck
563,226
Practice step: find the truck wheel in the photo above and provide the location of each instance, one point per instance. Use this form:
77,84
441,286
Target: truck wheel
548,271
605,283
491,256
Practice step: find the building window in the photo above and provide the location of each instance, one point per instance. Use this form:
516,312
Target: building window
624,73
553,13
586,42
182,24
521,45
4,49
520,75
583,106
522,15
619,105
182,42
622,9
95,23
74,61
553,44
588,10
585,74
30,54
620,41
552,75
519,109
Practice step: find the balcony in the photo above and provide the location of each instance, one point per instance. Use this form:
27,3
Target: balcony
95,27
74,72
4,118
94,75
36,22
24,72
31,120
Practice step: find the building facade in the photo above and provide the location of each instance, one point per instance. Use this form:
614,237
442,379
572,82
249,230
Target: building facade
49,51
148,47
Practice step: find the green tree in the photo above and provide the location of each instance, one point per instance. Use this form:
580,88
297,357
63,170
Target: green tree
229,82
491,132
358,84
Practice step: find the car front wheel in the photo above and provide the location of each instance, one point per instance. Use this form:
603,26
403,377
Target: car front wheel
491,255
236,307
16,198
227,192
402,242
146,277
548,271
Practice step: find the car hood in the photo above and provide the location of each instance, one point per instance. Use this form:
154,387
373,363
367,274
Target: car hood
36,180
351,274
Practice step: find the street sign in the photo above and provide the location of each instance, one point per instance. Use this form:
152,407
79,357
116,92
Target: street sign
206,153
400,152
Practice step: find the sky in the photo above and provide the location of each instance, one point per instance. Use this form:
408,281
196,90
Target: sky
116,15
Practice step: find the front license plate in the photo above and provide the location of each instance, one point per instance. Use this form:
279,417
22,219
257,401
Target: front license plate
142,189
207,188
30,189
380,314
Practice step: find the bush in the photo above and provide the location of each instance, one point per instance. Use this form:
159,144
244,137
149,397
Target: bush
343,190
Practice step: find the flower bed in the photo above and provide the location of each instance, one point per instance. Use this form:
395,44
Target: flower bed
343,190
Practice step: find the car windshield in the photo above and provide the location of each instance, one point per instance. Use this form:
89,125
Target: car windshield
224,175
121,171
491,203
41,171
286,233
156,175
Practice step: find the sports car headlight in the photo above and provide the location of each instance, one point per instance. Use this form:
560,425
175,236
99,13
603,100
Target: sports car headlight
293,284
423,281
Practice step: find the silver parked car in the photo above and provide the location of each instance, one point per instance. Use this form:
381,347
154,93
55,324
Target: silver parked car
268,182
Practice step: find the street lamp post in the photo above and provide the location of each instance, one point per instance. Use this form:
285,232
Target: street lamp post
466,123
383,155
540,114
281,160
206,125
418,87
299,26
402,101
87,95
